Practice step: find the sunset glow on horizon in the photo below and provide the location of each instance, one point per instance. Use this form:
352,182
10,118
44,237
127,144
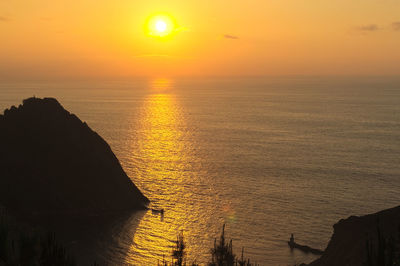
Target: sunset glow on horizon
187,38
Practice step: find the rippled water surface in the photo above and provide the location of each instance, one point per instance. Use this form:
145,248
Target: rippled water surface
268,157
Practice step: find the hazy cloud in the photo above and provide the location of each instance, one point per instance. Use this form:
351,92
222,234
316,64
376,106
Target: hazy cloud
375,27
396,25
233,37
4,19
368,28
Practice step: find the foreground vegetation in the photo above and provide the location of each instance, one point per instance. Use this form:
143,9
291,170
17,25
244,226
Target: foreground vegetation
220,255
22,246
386,252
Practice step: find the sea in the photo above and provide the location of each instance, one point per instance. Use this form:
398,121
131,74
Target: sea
264,156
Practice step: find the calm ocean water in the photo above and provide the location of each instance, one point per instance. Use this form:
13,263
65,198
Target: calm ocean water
267,157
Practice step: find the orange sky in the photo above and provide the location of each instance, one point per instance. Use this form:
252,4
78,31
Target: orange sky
50,39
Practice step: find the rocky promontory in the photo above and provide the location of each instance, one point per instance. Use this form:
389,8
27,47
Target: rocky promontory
52,162
366,240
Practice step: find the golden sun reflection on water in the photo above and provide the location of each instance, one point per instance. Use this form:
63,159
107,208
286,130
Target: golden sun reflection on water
164,167
161,85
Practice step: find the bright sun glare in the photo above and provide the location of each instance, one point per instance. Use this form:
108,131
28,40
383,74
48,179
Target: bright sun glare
160,25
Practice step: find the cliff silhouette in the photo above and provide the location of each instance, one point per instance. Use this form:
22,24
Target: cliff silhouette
370,240
52,162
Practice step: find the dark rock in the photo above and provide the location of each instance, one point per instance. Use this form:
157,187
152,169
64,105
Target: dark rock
52,162
348,245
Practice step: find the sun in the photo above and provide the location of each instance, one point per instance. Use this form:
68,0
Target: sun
160,26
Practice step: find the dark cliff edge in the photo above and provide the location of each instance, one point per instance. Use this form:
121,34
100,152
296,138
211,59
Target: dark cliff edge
354,236
53,163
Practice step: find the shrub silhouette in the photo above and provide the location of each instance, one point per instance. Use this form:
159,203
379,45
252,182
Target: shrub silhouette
19,246
242,261
53,253
178,253
386,252
222,254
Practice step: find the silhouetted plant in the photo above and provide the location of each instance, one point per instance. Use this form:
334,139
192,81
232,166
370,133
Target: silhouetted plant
3,239
53,253
243,262
178,253
385,252
28,249
21,246
222,254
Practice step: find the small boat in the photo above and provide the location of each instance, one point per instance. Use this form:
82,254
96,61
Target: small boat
160,211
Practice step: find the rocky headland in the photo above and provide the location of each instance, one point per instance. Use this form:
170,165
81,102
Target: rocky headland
370,240
53,163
